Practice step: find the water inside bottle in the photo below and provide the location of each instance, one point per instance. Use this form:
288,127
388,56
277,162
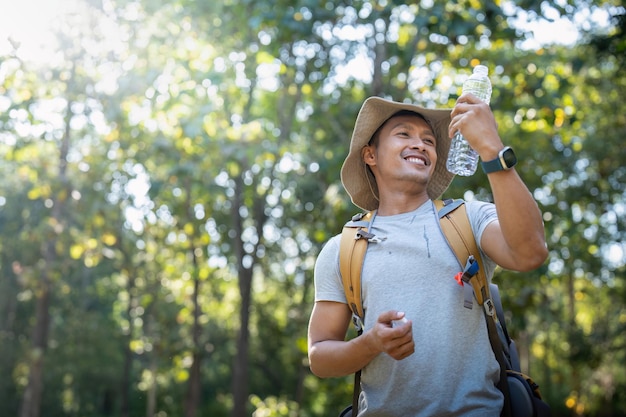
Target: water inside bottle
462,160
478,88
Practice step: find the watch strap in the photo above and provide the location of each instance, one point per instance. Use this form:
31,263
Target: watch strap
500,162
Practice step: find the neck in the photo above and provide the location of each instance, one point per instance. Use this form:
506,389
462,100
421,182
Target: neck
398,204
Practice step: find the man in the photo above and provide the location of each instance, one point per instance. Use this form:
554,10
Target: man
422,353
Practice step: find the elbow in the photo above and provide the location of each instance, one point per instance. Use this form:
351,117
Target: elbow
535,258
317,371
540,255
315,364
324,366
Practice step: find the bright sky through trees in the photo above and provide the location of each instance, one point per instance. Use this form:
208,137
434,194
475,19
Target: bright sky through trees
30,23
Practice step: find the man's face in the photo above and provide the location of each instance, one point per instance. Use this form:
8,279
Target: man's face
404,154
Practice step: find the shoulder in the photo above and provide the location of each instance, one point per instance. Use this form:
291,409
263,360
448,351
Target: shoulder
481,215
329,254
332,244
481,211
478,211
327,276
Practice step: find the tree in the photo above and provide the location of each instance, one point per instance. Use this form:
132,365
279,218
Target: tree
202,178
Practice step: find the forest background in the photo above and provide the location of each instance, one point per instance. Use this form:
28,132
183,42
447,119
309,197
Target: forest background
171,170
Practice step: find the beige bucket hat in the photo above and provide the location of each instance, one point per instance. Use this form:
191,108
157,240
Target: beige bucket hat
359,181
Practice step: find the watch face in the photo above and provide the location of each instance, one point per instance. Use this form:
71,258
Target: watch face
509,157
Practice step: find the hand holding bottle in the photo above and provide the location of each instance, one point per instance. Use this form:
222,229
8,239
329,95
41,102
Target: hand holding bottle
476,120
462,159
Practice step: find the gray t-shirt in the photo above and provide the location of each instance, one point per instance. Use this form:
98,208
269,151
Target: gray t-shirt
453,370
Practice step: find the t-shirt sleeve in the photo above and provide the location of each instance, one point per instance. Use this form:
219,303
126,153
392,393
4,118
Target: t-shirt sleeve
328,285
481,214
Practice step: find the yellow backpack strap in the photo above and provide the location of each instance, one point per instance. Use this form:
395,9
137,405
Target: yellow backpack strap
354,239
458,232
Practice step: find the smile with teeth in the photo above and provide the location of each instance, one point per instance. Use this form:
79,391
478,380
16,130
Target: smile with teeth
416,160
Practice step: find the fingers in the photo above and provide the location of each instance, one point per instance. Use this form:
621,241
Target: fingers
388,316
403,345
468,98
475,120
395,334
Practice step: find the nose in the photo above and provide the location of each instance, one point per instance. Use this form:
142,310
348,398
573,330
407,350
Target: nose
417,143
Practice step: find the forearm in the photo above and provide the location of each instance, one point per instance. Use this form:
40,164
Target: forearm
334,358
520,219
517,240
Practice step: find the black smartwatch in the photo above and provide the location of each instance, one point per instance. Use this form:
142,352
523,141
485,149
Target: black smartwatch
506,160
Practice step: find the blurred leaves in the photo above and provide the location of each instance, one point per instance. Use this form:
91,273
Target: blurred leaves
204,110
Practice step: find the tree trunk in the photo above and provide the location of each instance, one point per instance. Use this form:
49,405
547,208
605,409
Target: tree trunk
573,328
240,367
152,390
128,354
128,359
31,400
192,398
10,271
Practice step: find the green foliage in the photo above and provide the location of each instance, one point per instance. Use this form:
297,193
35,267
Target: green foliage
160,176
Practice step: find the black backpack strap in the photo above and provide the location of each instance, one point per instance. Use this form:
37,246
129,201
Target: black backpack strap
510,349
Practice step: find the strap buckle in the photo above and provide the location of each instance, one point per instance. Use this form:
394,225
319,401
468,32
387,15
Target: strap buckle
370,237
464,277
470,270
489,307
358,323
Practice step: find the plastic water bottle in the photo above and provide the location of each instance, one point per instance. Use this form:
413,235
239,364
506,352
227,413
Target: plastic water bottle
462,159
396,323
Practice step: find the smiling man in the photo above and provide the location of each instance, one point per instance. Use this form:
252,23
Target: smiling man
439,361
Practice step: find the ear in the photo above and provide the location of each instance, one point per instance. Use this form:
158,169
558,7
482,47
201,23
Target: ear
368,155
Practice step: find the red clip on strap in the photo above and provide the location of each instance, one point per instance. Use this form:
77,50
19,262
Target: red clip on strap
459,278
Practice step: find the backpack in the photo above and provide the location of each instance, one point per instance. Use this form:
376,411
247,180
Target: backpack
521,394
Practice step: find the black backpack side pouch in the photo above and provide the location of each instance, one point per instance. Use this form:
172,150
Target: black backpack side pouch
525,396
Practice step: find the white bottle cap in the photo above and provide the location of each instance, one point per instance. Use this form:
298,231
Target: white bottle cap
396,323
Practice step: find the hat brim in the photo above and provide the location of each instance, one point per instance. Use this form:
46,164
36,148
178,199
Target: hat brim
359,181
